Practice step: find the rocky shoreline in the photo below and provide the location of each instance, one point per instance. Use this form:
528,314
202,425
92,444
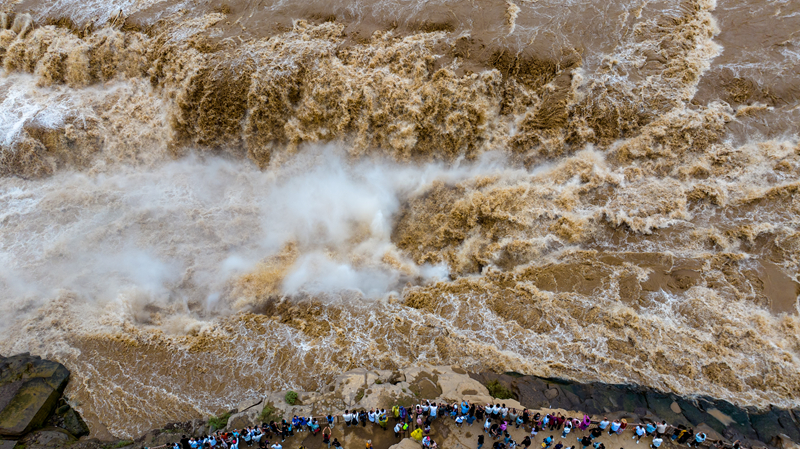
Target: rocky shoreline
34,415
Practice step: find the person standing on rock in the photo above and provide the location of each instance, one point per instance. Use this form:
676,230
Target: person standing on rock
480,441
373,417
434,410
567,428
699,439
595,432
397,429
326,437
587,421
336,443
661,429
526,443
656,442
614,427
602,425
639,433
650,429
586,441
347,417
535,429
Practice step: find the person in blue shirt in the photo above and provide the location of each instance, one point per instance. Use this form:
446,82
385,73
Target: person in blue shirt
699,439
464,407
650,429
548,441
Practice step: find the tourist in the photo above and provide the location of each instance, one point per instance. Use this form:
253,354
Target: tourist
567,429
622,427
686,436
614,427
326,436
397,429
587,421
650,429
586,441
698,439
661,429
480,441
602,425
595,432
347,417
336,443
372,416
434,410
547,442
656,442
639,433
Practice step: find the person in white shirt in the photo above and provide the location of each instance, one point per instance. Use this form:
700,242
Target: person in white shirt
603,424
277,446
426,407
661,428
504,411
639,431
434,410
372,416
347,417
656,442
496,409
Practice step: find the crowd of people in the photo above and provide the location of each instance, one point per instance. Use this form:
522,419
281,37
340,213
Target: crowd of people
416,421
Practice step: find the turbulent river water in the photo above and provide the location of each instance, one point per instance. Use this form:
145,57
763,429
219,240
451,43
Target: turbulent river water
201,200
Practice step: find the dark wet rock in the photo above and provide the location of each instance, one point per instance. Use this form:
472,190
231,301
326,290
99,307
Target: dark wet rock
50,437
8,444
639,404
74,424
24,367
661,406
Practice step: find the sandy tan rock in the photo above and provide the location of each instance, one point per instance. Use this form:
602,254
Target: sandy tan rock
406,443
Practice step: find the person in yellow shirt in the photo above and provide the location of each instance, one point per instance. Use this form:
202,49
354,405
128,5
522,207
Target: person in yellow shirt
417,434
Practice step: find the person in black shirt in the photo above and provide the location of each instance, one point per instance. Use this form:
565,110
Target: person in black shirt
185,442
596,432
586,441
480,441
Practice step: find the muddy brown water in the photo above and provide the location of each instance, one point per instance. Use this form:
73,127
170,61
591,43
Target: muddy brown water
204,200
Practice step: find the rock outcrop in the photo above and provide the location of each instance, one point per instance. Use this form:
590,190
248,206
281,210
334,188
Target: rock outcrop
29,390
720,419
32,411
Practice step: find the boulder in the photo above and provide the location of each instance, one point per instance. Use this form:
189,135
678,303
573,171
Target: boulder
8,444
29,404
74,424
406,443
50,437
25,366
766,425
243,419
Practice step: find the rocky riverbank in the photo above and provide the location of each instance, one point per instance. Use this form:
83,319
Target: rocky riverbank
34,415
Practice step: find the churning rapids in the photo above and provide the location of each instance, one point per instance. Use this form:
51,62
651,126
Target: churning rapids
202,200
